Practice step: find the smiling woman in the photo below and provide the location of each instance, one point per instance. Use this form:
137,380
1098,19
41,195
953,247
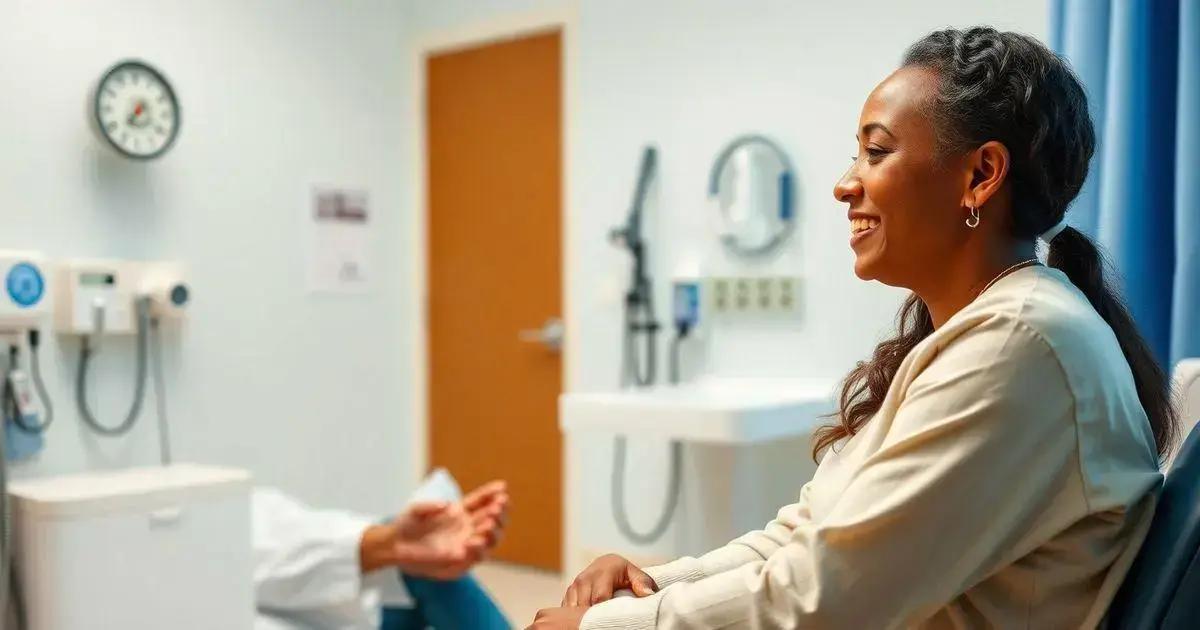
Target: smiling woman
993,464
899,176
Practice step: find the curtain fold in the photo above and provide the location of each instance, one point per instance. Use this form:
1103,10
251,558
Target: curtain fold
1139,61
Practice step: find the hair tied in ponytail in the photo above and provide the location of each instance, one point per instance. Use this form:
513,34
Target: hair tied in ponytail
1048,236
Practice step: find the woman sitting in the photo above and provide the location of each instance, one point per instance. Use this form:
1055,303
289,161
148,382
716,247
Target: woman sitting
994,465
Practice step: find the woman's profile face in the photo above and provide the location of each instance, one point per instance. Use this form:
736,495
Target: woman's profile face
905,206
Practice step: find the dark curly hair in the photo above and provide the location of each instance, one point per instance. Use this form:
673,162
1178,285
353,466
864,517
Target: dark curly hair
1010,88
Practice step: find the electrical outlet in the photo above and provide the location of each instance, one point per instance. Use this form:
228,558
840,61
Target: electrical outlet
768,295
743,298
764,298
788,294
722,292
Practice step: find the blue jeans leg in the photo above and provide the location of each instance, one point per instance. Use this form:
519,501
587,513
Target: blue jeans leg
446,605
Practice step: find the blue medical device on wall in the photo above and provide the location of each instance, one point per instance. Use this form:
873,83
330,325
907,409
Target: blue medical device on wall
25,285
25,302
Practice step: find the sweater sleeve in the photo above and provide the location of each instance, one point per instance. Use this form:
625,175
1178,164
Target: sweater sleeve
756,545
980,449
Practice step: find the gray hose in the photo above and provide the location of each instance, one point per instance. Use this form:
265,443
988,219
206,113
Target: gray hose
618,494
620,454
139,394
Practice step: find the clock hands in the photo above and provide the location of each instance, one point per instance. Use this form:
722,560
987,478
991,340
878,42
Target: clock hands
140,115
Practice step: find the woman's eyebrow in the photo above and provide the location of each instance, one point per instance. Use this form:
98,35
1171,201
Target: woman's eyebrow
867,128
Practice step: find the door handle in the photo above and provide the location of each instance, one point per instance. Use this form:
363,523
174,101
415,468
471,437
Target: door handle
549,335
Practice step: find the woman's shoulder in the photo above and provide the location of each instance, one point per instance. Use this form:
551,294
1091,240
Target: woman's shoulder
1043,301
1035,334
1036,320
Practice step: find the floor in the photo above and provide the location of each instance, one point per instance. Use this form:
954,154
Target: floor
520,591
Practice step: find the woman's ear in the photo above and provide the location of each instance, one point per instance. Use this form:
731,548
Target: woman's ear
989,167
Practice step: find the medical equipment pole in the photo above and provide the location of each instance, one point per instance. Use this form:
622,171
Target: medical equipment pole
5,530
639,319
160,392
10,593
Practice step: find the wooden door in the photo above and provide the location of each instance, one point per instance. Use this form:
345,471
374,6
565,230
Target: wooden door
494,143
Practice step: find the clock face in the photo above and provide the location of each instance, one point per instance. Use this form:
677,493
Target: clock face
136,110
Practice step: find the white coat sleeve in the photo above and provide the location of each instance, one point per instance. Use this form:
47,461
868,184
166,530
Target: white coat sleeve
980,447
304,558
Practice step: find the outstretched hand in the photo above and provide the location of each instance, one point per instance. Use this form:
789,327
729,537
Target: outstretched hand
487,506
438,540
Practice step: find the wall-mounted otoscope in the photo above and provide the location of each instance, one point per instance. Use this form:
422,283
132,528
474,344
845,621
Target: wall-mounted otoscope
639,299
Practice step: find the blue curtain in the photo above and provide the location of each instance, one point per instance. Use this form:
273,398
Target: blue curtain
1140,63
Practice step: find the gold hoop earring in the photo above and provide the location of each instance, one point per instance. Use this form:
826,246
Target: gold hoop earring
973,222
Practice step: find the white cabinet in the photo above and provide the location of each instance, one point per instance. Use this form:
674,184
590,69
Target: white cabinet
146,548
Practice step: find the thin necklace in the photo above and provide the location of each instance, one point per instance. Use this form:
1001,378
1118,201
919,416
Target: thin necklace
1023,263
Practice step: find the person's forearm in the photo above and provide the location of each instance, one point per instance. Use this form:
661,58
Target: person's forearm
375,550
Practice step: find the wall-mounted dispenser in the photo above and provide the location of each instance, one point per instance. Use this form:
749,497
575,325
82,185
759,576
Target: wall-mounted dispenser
95,298
114,297
25,305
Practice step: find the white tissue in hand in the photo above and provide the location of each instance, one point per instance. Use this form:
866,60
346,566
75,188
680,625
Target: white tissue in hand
438,486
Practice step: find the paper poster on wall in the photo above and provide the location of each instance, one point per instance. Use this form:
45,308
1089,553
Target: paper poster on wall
339,242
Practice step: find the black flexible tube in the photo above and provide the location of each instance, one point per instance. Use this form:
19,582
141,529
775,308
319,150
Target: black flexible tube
35,371
639,319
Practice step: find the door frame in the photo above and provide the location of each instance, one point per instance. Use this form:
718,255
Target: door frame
478,33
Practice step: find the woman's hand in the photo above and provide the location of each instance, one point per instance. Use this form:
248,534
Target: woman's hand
605,575
559,618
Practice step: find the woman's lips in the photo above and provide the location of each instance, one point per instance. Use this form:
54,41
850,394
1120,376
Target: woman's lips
861,228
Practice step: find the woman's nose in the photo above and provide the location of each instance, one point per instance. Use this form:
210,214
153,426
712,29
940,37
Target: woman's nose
848,186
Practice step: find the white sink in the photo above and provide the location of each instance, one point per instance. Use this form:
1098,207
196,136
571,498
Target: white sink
715,410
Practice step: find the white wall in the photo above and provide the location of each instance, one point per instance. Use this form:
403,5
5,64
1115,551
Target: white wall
687,76
276,95
315,393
